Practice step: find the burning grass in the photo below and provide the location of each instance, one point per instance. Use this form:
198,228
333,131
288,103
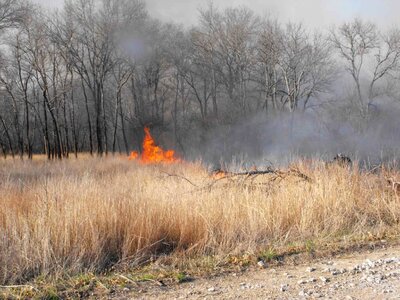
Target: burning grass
91,214
152,153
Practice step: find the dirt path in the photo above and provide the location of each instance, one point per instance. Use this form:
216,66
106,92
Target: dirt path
369,275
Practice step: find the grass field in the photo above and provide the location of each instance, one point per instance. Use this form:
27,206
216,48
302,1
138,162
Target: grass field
93,215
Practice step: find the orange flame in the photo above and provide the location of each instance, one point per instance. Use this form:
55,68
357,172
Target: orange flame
219,174
134,155
152,153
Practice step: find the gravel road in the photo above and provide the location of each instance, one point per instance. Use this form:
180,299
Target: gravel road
368,275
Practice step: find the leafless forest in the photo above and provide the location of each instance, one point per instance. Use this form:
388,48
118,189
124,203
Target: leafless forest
90,76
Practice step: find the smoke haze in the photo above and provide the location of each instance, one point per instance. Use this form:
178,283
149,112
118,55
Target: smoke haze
280,139
313,13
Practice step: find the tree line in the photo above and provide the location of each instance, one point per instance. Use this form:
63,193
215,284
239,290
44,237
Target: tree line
91,76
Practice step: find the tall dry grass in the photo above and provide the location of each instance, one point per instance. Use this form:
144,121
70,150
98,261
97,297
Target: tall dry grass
89,214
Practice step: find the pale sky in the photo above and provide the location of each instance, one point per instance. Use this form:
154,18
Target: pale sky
313,13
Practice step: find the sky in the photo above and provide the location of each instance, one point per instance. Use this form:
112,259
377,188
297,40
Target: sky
313,13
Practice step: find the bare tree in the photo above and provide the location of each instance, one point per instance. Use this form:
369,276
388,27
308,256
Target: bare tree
268,54
45,63
13,13
305,66
90,47
229,41
360,44
16,78
122,73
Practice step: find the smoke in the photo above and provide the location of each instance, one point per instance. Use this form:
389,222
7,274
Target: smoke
280,139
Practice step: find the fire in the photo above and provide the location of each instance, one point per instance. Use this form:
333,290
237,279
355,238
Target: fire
134,155
153,153
219,174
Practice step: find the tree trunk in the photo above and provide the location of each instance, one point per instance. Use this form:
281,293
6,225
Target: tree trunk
3,149
116,112
66,130
8,137
123,129
58,144
47,148
104,121
214,95
99,119
28,137
72,116
88,117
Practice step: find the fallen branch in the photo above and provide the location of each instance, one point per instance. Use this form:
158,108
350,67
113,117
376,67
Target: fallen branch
279,173
220,175
252,173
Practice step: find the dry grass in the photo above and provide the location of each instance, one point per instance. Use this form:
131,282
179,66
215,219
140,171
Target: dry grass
90,214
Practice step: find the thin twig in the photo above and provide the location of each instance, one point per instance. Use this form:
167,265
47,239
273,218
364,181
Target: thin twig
179,176
18,287
127,279
300,174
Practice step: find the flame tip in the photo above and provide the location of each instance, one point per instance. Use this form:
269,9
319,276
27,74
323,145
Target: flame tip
152,153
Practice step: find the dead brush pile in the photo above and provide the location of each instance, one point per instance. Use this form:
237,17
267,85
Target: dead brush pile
91,214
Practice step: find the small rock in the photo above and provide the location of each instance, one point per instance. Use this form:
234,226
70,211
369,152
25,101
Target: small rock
312,280
349,298
335,272
317,295
370,263
311,269
302,281
126,289
389,261
244,286
212,289
284,287
393,274
262,264
324,279
356,269
303,293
